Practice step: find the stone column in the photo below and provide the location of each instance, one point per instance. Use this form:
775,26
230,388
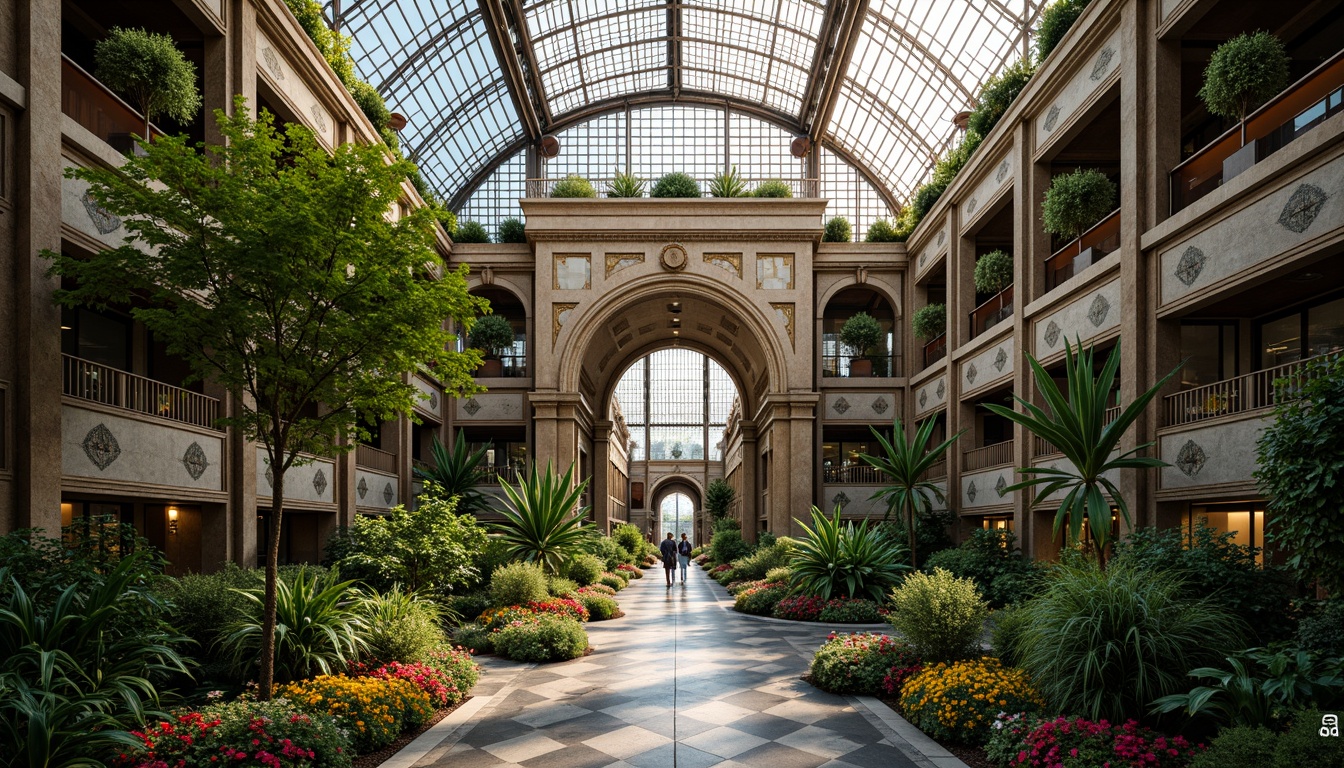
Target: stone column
960,301
555,418
599,488
1031,246
750,493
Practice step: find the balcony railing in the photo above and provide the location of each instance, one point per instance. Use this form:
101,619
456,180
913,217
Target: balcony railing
91,104
809,188
1101,239
855,474
1042,447
937,471
1242,394
935,349
100,384
1304,105
838,365
992,312
500,475
373,458
511,367
988,456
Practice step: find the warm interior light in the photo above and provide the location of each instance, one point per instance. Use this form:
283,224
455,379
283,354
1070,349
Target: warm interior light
172,513
172,521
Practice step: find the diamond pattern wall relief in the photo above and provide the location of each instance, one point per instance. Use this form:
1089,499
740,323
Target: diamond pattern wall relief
1191,459
1096,314
841,405
1191,264
471,407
971,492
942,389
1052,332
194,461
1050,118
363,487
388,494
1000,360
1103,63
1000,485
100,445
320,483
1302,208
840,500
923,397
880,405
971,373
103,220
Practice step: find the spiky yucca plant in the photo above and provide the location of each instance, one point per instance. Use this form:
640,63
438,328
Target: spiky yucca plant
904,463
728,184
457,472
625,185
543,522
837,558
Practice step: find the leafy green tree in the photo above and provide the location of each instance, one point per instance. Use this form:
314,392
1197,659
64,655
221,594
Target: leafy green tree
997,95
930,321
512,230
430,549
1300,456
543,522
1078,428
1244,73
904,463
471,232
456,474
719,498
148,69
861,333
993,272
269,265
1077,201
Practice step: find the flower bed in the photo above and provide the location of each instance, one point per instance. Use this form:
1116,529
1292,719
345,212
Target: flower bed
858,663
957,702
1064,743
760,600
840,610
371,710
248,734
630,571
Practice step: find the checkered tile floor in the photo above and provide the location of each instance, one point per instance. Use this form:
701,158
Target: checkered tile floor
677,682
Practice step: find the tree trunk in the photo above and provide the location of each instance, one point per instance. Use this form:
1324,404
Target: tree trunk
267,681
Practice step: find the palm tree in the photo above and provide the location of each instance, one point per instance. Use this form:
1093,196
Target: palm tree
904,463
457,473
543,522
1077,427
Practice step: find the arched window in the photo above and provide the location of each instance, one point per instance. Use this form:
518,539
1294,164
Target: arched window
676,513
676,403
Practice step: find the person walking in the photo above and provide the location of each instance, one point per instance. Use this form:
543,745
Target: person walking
684,556
669,550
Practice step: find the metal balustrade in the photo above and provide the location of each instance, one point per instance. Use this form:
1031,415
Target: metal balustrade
855,474
97,383
804,188
1240,394
838,365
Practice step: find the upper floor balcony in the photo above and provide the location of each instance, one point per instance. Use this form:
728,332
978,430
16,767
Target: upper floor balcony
93,105
1102,239
935,349
368,457
994,455
853,474
994,311
109,386
1247,393
1042,447
840,366
1303,106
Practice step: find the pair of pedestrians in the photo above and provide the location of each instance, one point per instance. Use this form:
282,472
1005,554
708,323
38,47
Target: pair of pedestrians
674,552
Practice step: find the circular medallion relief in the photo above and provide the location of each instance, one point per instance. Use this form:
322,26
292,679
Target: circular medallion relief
673,257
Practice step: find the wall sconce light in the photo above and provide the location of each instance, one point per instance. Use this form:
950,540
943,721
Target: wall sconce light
172,521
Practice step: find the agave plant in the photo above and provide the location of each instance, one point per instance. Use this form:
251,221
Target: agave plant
1077,426
837,558
625,185
728,184
543,522
905,463
457,472
318,626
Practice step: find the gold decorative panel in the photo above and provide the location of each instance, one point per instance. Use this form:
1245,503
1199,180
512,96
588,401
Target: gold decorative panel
573,271
732,262
785,314
559,316
618,261
774,271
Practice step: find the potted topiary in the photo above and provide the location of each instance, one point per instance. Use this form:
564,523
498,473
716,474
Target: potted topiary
511,230
492,335
1074,203
1244,73
573,186
150,71
676,185
471,232
861,333
993,272
930,321
837,231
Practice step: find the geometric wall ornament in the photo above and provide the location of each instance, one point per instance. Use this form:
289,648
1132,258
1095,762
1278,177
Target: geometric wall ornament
103,221
434,401
1191,264
194,460
273,63
730,262
388,494
1302,207
880,405
1103,63
559,315
1051,117
841,405
471,406
971,204
320,483
1096,314
672,257
1000,360
971,492
1191,458
942,236
1000,485
319,117
1052,332
1001,172
840,500
971,373
618,261
363,487
923,397
100,445
942,389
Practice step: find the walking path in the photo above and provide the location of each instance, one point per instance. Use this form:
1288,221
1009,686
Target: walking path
677,682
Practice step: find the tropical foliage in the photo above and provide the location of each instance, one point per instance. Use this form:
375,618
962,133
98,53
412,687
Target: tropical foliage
1260,687
842,560
457,473
625,185
543,522
1078,427
728,184
905,464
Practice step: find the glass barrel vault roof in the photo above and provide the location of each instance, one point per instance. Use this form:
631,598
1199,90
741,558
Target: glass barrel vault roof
876,82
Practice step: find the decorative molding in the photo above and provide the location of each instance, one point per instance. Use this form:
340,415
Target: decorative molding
774,271
1051,118
971,373
388,493
923,397
320,482
618,261
559,315
1000,486
194,460
1001,172
880,405
673,257
1096,314
572,271
840,500
1000,360
472,406
1191,264
785,313
941,391
841,405
971,492
101,446
363,487
1302,208
273,63
971,206
1103,63
1052,331
319,117
1191,459
730,262
103,220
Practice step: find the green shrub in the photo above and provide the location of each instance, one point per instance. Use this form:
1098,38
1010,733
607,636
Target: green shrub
838,559
467,606
1056,21
992,560
1107,643
609,552
778,574
599,607
858,663
371,104
609,579
1259,687
557,586
837,230
511,230
765,559
993,272
930,321
727,546
1239,747
585,569
625,185
856,611
728,184
924,198
517,584
942,616
471,232
1076,201
474,637
861,333
1300,746
630,539
549,638
1244,73
333,46
149,70
573,186
760,600
773,188
200,605
676,185
997,94
881,231
1322,632
400,627
1009,624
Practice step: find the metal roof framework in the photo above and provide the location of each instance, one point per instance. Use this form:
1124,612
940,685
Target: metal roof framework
877,82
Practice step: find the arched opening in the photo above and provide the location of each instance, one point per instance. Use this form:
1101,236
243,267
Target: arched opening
836,358
513,361
676,515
